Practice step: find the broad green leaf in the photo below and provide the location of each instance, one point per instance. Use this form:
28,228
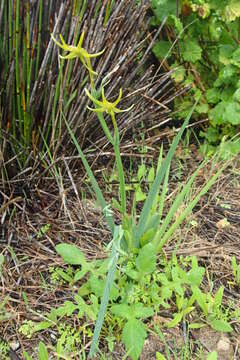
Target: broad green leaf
122,310
42,351
212,356
176,22
147,236
176,320
226,76
162,8
225,53
66,309
196,325
141,311
160,356
161,49
218,297
220,325
201,299
191,50
213,95
97,287
141,172
71,254
133,337
232,113
195,276
146,259
43,325
179,73
236,95
151,175
80,274
232,11
139,194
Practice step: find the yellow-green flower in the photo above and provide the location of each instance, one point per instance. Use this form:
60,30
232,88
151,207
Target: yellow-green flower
78,51
107,106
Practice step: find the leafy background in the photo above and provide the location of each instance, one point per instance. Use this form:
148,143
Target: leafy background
201,40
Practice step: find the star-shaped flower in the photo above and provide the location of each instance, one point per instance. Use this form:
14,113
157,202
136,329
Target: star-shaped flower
78,51
105,105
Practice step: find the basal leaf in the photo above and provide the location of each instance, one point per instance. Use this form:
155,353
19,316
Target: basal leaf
191,50
163,8
122,310
141,311
133,337
161,49
71,254
232,113
176,320
147,259
221,325
212,356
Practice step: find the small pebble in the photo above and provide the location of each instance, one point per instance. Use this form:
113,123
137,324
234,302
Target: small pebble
223,345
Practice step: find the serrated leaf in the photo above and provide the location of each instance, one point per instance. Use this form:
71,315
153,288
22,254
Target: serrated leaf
162,8
147,259
191,50
179,73
225,53
232,113
122,310
161,49
232,11
133,337
141,311
226,76
213,95
71,254
221,325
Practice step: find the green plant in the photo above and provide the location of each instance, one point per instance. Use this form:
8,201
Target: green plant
4,350
140,240
201,41
212,309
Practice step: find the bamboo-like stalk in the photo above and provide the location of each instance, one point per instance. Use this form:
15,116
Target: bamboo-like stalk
38,89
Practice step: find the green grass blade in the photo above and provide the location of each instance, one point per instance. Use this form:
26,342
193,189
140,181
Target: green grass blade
159,177
175,206
188,209
118,234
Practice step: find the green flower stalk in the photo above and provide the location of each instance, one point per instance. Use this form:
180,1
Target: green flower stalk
111,109
78,52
